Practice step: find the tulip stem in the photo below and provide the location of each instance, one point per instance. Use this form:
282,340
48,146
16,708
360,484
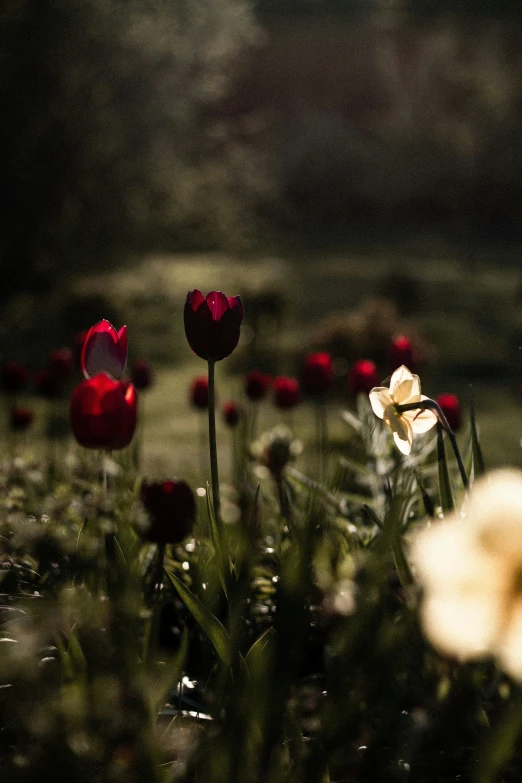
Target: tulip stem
432,405
322,438
212,440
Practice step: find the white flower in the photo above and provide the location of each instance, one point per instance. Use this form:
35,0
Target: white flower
404,389
470,567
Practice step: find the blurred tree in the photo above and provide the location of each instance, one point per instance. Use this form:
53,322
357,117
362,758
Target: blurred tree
112,134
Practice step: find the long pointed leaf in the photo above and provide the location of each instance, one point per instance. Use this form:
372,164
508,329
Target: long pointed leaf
446,495
479,467
218,543
209,624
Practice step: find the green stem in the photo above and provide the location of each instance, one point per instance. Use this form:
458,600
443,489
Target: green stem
157,587
212,440
321,434
432,405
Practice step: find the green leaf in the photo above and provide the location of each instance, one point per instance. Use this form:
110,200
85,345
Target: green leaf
217,542
501,745
479,467
209,624
256,656
446,495
373,516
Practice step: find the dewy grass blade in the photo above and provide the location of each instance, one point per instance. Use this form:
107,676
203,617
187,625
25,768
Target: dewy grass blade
209,624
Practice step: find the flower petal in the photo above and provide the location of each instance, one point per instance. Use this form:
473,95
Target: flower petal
218,304
380,399
509,648
102,351
195,298
421,420
400,375
404,445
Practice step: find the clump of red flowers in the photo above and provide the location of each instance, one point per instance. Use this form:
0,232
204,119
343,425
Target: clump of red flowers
172,510
363,376
141,375
21,418
198,393
212,324
257,384
287,392
450,406
104,412
318,374
232,413
401,352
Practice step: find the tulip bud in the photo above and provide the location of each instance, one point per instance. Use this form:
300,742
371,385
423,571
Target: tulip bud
104,413
61,364
401,352
450,406
21,419
286,392
104,350
318,374
212,324
362,377
141,375
172,511
232,413
13,377
199,392
256,385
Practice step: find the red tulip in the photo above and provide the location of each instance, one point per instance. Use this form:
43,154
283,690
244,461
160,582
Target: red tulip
450,406
256,385
61,364
21,419
232,413
104,412
212,324
286,392
199,392
47,384
141,375
13,377
318,374
172,510
104,350
401,352
362,377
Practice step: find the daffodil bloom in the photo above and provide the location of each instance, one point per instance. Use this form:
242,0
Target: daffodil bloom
405,389
470,569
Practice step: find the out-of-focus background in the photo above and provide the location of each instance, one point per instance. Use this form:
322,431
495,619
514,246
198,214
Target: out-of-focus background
352,169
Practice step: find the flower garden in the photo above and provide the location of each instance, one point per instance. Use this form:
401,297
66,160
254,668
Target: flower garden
353,616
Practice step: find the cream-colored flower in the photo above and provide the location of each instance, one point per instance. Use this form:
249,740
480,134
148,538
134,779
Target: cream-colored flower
404,389
470,567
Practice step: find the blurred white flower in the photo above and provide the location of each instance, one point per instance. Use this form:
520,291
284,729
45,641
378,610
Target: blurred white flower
404,389
470,567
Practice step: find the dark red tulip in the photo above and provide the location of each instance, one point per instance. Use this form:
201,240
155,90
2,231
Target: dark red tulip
61,364
13,377
212,324
104,350
104,412
401,352
362,377
232,413
256,385
286,392
47,384
450,406
21,419
199,392
172,511
318,374
141,375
